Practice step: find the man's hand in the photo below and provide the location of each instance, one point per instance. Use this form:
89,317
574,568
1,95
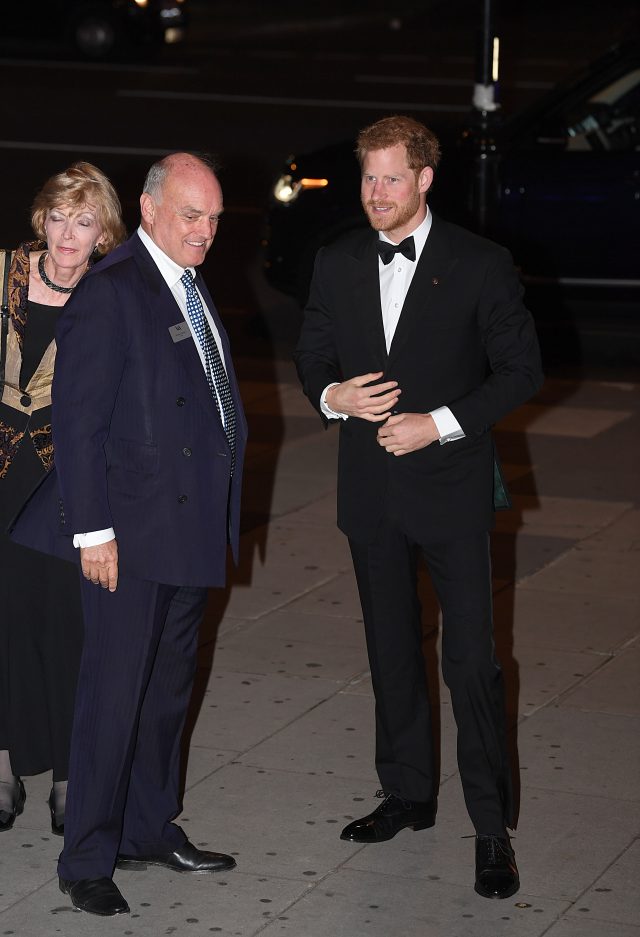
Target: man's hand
100,564
407,432
368,403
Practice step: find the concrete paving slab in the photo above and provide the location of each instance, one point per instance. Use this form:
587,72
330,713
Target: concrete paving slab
276,822
584,753
280,494
293,625
556,840
562,621
161,903
589,393
614,897
315,458
258,651
322,511
203,762
622,534
559,420
283,543
568,518
338,597
583,927
279,574
515,557
241,709
590,572
289,399
334,738
354,904
542,676
27,863
272,588
614,688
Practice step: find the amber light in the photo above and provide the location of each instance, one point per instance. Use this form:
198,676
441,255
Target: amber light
313,183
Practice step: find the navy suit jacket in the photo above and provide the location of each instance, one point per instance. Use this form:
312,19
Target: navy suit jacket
464,340
138,442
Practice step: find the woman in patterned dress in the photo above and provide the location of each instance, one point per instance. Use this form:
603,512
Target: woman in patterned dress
76,217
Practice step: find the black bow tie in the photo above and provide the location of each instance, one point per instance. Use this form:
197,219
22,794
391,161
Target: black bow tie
387,250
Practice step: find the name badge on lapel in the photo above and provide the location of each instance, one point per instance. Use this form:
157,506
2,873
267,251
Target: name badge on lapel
179,332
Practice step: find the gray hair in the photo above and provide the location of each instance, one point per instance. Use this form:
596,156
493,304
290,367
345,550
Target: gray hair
155,180
158,172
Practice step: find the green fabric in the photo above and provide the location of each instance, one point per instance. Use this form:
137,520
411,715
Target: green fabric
501,499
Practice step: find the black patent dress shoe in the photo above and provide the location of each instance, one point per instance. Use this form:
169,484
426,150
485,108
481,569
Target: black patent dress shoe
57,828
496,869
8,817
95,896
393,814
187,858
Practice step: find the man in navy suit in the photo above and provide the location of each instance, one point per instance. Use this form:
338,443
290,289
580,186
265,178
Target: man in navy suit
149,438
416,341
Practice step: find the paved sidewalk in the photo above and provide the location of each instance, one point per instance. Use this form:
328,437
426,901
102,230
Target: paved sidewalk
281,749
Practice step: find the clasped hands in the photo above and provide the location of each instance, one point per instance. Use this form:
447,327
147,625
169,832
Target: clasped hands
401,432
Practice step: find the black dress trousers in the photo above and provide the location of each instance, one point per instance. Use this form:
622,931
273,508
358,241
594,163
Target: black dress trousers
386,572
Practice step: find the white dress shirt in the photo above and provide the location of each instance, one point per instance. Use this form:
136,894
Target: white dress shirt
395,280
171,273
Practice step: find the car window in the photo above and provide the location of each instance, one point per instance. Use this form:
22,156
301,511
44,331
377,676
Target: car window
610,119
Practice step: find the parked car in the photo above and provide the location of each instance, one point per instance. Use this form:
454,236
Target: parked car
96,29
564,191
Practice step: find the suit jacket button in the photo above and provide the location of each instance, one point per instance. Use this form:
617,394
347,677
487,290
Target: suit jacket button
186,451
25,400
180,402
182,499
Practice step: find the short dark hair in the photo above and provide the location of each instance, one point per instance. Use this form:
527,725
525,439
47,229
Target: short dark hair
423,147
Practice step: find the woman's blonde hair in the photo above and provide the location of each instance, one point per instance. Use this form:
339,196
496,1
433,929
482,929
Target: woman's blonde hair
79,185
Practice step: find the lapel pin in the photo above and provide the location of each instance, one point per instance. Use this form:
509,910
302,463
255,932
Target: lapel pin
435,281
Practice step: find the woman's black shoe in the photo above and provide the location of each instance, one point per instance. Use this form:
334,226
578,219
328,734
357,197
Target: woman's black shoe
57,828
7,817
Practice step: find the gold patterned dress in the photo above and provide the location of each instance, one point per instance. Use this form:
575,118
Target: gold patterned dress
40,614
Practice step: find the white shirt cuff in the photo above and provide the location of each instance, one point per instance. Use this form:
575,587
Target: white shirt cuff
94,537
328,412
447,425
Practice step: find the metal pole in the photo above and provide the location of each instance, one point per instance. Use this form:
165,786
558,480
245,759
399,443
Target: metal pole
485,107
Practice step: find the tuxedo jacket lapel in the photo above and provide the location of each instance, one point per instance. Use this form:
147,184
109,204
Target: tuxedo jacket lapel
437,263
365,299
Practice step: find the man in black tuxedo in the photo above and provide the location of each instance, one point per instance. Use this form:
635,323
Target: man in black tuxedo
416,340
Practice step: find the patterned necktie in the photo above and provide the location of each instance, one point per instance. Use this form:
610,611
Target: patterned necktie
216,374
387,251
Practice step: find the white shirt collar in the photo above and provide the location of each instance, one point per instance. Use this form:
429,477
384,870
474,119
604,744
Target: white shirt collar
419,234
170,270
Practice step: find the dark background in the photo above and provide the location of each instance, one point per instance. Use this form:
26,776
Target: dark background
254,82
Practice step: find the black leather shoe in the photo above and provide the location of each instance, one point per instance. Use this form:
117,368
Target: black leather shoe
393,815
57,828
496,869
187,858
8,817
95,896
